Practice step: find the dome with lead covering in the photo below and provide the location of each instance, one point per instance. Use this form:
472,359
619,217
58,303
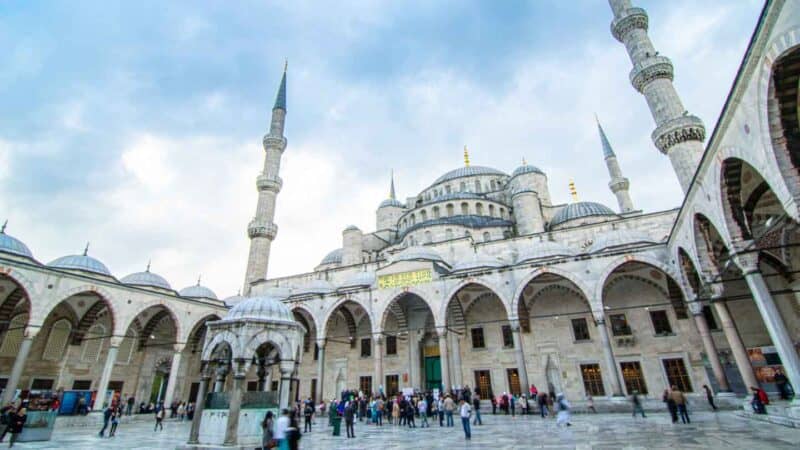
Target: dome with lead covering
580,210
146,278
198,291
233,300
10,244
334,257
619,238
261,308
527,168
81,262
391,202
417,253
468,171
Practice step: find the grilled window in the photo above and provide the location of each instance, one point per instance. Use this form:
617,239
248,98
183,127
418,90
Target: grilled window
592,380
580,329
477,338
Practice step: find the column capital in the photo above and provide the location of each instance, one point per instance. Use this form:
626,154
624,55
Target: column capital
178,347
286,367
514,324
379,339
321,343
442,333
746,260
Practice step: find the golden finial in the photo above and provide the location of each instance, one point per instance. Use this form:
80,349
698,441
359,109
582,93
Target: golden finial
572,190
466,156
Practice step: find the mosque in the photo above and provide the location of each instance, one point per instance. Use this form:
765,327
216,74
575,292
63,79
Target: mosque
478,280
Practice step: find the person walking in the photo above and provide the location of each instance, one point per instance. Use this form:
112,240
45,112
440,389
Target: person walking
758,401
590,404
680,401
440,409
106,419
379,405
160,412
564,415
17,422
6,417
410,414
543,404
465,411
449,408
671,406
512,404
710,396
308,413
637,404
476,405
268,431
281,428
349,418
115,413
422,405
782,383
181,411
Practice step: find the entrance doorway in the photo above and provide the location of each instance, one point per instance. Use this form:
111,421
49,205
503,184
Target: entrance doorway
433,373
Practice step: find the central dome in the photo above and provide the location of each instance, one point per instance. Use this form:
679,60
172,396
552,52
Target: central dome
468,171
263,307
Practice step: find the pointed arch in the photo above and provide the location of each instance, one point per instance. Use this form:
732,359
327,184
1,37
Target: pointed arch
580,286
443,309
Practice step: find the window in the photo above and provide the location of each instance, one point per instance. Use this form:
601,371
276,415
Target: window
477,186
392,384
483,383
93,343
491,210
580,330
447,189
252,386
40,384
676,374
365,385
619,325
366,347
491,183
513,381
435,212
660,322
462,187
57,340
502,213
592,380
464,209
508,337
316,352
313,392
486,236
423,215
479,209
81,385
274,386
450,210
13,338
391,345
477,338
710,320
633,377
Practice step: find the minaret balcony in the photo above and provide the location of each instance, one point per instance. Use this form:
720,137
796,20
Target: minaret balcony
262,228
650,69
274,142
631,19
269,183
618,184
678,130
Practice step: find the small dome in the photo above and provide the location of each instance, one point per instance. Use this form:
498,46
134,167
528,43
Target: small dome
579,210
545,249
391,202
416,253
146,278
527,168
233,300
352,228
261,308
468,171
320,287
359,279
619,238
10,244
80,262
334,257
197,291
479,262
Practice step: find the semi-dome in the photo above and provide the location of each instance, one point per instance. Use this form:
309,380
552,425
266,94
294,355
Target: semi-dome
417,253
391,202
10,244
526,168
146,278
580,210
261,308
320,287
198,291
80,262
479,262
544,249
359,279
468,171
619,238
233,300
334,257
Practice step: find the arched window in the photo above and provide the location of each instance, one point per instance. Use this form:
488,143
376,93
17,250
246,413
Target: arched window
448,234
447,189
405,223
413,220
450,210
502,213
93,343
464,208
486,236
14,335
492,184
462,187
477,185
125,351
491,210
435,212
479,209
57,340
428,237
423,215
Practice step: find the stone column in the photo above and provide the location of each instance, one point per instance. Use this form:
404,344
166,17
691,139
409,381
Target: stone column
200,404
268,380
443,360
378,354
222,373
17,368
320,371
522,370
235,406
287,367
711,351
608,354
413,359
173,376
773,321
455,354
737,346
105,376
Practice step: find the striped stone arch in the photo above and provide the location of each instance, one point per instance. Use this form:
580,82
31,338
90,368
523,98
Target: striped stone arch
160,303
193,339
340,307
393,307
19,278
451,295
220,338
582,287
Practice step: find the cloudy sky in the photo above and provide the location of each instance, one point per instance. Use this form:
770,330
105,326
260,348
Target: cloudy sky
137,126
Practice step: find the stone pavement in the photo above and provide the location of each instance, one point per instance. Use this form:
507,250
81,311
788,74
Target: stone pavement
601,431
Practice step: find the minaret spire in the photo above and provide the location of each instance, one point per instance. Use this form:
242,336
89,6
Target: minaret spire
678,134
392,195
619,185
262,230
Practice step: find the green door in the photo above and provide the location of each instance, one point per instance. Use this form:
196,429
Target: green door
433,373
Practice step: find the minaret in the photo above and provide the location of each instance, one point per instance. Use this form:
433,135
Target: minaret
262,230
678,134
618,184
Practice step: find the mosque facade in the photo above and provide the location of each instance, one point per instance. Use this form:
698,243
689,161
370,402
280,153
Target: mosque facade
479,280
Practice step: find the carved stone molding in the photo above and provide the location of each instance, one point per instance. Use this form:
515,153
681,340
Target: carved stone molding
633,18
269,183
678,130
262,228
275,142
651,68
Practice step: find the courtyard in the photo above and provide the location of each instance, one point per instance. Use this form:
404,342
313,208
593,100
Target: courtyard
601,431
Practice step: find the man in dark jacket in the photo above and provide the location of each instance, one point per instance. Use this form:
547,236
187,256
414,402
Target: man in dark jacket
17,422
349,418
106,418
308,412
6,416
